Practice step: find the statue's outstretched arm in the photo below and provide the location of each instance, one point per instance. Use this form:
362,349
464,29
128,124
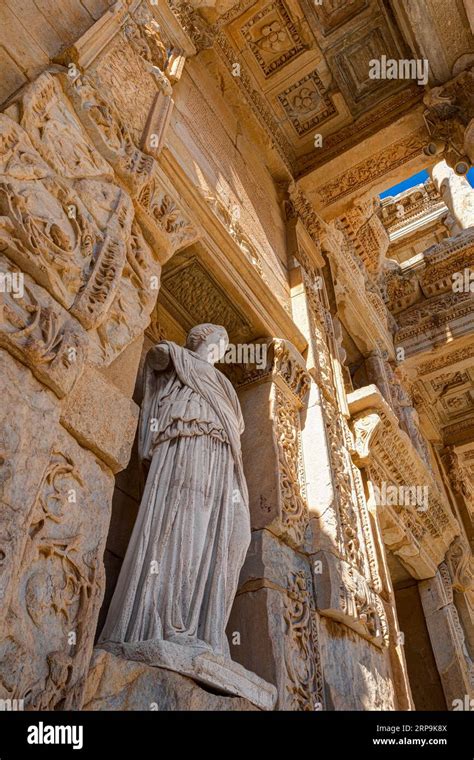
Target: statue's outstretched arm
158,357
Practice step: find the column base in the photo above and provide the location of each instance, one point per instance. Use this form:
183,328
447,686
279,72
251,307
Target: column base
215,671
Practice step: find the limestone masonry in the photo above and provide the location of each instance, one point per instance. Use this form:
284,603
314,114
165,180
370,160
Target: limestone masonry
215,333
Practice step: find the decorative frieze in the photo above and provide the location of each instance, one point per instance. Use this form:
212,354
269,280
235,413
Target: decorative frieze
367,234
235,230
424,326
192,294
108,131
36,330
368,170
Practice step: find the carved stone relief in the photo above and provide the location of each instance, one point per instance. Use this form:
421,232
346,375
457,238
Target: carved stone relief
272,37
61,582
307,103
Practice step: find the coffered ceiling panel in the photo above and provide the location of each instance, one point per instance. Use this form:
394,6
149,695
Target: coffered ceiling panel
307,103
305,66
272,37
331,14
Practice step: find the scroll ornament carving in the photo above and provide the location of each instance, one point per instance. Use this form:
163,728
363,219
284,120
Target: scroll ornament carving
403,406
192,289
372,573
394,460
367,233
449,119
284,364
234,228
393,386
57,134
40,336
35,230
160,214
294,507
69,235
363,173
129,313
451,612
300,206
461,565
290,385
346,475
342,475
193,24
302,660
374,297
63,584
93,301
365,428
109,133
75,236
321,323
353,285
290,367
144,34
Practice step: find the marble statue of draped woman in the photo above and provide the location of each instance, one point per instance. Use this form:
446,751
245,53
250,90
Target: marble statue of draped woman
180,573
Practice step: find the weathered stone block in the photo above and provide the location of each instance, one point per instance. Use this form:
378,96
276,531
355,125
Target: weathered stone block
344,594
273,625
53,613
117,684
357,675
270,559
39,332
29,412
101,418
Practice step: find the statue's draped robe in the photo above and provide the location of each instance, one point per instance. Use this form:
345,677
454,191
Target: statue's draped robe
180,573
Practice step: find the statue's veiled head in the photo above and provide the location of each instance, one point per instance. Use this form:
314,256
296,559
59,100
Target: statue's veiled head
209,341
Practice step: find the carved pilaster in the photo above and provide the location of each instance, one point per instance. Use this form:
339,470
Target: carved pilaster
272,398
455,666
276,595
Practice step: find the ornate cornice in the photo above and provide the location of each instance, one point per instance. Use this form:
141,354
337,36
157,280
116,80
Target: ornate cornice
419,537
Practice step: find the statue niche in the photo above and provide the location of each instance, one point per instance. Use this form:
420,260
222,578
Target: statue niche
179,577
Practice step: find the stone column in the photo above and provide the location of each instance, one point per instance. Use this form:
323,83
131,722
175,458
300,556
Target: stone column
457,194
454,664
354,610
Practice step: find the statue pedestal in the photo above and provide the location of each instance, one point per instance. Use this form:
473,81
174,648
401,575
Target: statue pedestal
213,670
